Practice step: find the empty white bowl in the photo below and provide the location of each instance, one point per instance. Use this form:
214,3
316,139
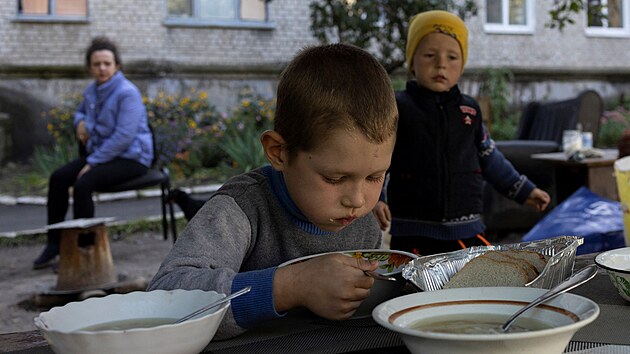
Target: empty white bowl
390,263
617,264
64,327
561,317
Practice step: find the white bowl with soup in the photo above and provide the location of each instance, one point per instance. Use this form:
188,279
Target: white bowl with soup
467,320
137,322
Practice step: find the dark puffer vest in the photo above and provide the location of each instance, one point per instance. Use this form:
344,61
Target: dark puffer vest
435,173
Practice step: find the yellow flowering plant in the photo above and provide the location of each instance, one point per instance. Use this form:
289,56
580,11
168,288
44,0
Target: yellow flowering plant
185,131
59,122
241,138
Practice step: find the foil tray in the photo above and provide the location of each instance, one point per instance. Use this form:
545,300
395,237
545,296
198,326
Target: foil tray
430,273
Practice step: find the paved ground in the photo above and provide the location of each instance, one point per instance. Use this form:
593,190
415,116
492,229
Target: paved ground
25,218
136,257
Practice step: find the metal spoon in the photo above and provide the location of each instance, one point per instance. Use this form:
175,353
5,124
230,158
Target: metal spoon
378,276
214,304
585,274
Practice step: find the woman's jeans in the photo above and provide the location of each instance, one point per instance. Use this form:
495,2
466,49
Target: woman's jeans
97,178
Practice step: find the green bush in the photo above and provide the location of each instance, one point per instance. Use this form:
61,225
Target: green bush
505,129
60,125
186,131
613,124
241,139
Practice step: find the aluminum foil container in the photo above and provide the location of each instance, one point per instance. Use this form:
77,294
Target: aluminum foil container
430,273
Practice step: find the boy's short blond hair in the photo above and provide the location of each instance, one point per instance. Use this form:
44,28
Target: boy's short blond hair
334,86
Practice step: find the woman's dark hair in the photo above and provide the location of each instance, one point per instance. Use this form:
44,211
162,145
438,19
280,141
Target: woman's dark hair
102,43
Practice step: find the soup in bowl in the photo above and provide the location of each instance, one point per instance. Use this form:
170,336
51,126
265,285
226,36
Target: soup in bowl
467,320
137,322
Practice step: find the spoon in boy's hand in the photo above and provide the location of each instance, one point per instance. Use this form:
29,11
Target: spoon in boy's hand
378,276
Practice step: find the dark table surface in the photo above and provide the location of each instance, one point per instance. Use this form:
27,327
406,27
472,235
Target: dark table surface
609,333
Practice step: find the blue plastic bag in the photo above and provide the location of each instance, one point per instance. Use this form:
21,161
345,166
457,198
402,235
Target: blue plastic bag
584,213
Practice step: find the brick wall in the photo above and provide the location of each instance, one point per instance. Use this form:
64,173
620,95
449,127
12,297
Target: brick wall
138,28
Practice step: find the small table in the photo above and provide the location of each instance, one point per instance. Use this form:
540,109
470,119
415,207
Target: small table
597,174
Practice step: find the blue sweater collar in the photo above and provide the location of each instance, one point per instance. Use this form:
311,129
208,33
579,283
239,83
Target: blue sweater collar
103,91
279,188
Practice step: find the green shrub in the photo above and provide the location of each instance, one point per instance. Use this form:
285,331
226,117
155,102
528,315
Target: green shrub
495,84
60,125
186,131
612,125
505,129
241,138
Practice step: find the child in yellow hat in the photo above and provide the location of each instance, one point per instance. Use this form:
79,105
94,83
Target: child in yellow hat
443,151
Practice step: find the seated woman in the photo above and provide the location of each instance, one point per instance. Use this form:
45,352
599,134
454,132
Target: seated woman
111,126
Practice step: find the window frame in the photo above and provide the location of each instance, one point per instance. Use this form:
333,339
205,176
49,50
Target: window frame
606,32
196,21
51,16
504,27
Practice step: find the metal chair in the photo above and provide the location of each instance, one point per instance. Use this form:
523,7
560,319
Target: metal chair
155,176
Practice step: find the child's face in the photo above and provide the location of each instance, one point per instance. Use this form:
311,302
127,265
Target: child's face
437,62
340,180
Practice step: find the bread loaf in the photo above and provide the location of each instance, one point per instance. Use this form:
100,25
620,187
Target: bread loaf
499,268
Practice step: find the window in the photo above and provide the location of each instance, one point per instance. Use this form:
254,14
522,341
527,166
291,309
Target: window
52,9
220,13
509,16
607,18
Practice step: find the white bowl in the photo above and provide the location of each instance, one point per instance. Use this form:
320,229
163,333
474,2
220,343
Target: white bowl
63,326
391,263
617,265
564,315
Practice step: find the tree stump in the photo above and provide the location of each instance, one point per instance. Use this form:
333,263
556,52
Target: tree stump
85,259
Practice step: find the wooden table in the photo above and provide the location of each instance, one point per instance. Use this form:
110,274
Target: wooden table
597,174
607,334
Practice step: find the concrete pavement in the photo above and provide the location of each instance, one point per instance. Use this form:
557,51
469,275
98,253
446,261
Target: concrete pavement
27,216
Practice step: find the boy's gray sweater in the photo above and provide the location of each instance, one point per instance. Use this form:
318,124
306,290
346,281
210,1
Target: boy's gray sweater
242,228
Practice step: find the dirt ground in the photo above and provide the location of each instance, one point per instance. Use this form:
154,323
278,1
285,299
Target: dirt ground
136,257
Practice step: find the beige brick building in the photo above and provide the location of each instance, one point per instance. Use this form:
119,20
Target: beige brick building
225,46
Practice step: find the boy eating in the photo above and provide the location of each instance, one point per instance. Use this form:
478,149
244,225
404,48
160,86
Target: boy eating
334,133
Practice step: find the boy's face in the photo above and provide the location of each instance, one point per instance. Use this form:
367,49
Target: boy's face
340,180
437,62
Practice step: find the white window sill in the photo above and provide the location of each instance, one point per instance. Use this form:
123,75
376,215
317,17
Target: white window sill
188,22
51,19
607,32
503,29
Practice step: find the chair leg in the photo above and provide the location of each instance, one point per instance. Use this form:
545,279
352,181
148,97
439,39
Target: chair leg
173,222
165,197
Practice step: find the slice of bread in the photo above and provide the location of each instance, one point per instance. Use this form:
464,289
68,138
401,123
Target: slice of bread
499,268
509,256
485,271
538,260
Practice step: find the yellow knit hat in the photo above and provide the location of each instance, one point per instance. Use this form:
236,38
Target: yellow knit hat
436,21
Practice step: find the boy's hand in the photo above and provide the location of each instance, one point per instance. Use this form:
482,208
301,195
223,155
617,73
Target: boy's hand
382,213
331,286
538,199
